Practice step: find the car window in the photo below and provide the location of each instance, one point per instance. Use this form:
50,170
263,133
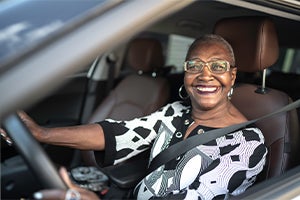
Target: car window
176,51
174,46
288,61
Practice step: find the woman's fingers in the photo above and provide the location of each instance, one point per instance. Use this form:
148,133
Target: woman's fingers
5,137
70,194
36,130
50,195
73,193
55,194
76,192
59,194
25,118
65,195
65,176
3,133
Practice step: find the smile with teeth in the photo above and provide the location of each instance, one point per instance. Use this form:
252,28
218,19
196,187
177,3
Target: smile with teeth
207,89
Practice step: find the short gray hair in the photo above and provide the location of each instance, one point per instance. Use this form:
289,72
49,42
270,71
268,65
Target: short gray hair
212,38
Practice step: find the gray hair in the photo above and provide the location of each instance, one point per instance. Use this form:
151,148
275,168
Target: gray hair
212,38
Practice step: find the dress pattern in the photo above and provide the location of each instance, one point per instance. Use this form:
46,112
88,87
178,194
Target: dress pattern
227,165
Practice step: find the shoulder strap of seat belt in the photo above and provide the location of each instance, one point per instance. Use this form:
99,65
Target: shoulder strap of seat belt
181,147
111,61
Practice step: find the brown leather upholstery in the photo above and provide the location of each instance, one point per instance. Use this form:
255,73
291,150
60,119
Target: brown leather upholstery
145,55
253,39
255,45
136,95
281,132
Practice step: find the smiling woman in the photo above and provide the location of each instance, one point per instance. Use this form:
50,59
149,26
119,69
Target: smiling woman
221,167
45,44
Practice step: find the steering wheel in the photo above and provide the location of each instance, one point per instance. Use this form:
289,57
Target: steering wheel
33,154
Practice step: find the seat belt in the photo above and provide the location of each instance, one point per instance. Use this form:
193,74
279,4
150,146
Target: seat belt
181,147
111,61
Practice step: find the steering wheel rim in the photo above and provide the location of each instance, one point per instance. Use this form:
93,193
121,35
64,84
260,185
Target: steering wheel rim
32,152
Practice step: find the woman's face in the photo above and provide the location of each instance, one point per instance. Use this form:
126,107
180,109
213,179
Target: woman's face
206,89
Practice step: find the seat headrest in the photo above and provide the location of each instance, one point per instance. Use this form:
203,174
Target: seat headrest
253,39
145,54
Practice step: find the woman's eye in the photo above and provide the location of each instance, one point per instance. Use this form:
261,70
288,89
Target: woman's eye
218,67
192,67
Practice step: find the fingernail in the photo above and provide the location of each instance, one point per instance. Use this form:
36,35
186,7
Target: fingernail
38,195
9,142
2,133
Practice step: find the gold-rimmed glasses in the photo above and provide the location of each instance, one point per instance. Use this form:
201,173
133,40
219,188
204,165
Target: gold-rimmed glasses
215,66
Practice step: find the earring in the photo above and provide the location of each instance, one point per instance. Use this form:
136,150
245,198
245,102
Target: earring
180,91
230,93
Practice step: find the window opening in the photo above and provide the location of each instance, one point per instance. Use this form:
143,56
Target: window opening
176,51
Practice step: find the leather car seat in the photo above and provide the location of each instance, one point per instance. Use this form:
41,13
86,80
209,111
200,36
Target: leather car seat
140,93
255,44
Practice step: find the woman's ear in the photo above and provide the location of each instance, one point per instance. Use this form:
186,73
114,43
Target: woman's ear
233,72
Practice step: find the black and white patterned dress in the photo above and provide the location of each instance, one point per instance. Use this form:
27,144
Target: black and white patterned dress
227,165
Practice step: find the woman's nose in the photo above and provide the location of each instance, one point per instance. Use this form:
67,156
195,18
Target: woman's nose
205,74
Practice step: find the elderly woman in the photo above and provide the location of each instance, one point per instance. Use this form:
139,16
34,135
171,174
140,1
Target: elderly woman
225,166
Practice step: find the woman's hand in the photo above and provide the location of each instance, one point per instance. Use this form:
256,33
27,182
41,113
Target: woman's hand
74,192
84,137
37,131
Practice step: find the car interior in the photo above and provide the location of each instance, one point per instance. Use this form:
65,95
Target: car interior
259,52
256,48
139,79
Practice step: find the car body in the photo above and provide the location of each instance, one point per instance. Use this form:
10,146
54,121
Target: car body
52,64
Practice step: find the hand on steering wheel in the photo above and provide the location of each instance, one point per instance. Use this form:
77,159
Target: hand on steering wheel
73,193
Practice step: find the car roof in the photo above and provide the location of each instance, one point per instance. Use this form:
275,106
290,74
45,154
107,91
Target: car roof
200,16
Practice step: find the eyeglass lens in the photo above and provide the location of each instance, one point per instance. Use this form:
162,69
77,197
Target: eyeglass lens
217,67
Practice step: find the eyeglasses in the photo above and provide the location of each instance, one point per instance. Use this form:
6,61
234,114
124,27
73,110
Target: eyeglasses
216,66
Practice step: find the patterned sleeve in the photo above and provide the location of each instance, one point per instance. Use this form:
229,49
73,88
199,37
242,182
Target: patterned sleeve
240,159
125,139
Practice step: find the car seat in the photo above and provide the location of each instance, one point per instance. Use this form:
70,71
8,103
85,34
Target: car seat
255,44
140,93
